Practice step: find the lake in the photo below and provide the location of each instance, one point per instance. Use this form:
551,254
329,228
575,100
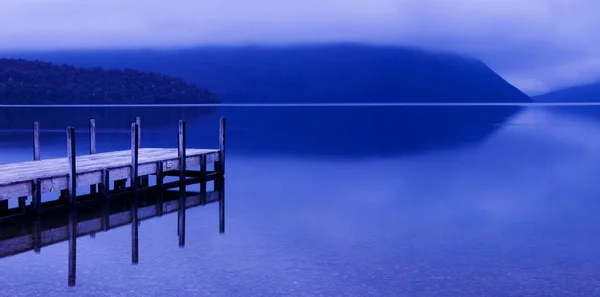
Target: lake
405,202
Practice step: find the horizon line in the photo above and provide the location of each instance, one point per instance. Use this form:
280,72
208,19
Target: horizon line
363,104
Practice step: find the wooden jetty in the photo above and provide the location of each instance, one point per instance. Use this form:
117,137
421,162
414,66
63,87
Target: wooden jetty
98,170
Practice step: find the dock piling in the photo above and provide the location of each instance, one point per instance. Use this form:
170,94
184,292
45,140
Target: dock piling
159,184
36,198
36,141
71,156
93,188
134,156
182,176
134,186
144,181
222,132
203,166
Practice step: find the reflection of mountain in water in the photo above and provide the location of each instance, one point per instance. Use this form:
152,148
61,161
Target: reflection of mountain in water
325,74
362,130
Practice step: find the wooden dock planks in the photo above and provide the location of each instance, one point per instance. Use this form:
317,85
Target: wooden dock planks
16,179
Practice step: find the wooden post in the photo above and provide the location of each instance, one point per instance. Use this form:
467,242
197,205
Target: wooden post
36,141
22,204
222,132
144,181
203,181
106,196
134,156
64,194
134,185
181,153
93,148
105,183
159,185
72,187
36,197
138,121
182,193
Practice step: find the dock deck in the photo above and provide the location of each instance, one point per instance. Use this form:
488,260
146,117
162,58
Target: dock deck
16,179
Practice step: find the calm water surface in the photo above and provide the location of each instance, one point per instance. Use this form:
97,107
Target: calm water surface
513,213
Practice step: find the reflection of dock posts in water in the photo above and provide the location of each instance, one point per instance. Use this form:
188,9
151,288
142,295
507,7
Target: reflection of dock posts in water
37,235
182,175
72,262
134,186
64,223
221,189
19,236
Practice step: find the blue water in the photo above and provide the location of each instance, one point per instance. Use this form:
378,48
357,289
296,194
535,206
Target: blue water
513,213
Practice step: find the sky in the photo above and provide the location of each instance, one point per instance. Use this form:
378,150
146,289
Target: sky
537,45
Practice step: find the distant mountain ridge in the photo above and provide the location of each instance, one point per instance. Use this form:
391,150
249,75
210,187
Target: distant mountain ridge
313,73
37,82
31,82
581,93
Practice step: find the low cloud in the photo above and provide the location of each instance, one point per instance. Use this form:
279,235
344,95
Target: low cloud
537,45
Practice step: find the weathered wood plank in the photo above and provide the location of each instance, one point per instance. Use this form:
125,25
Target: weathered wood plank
16,178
